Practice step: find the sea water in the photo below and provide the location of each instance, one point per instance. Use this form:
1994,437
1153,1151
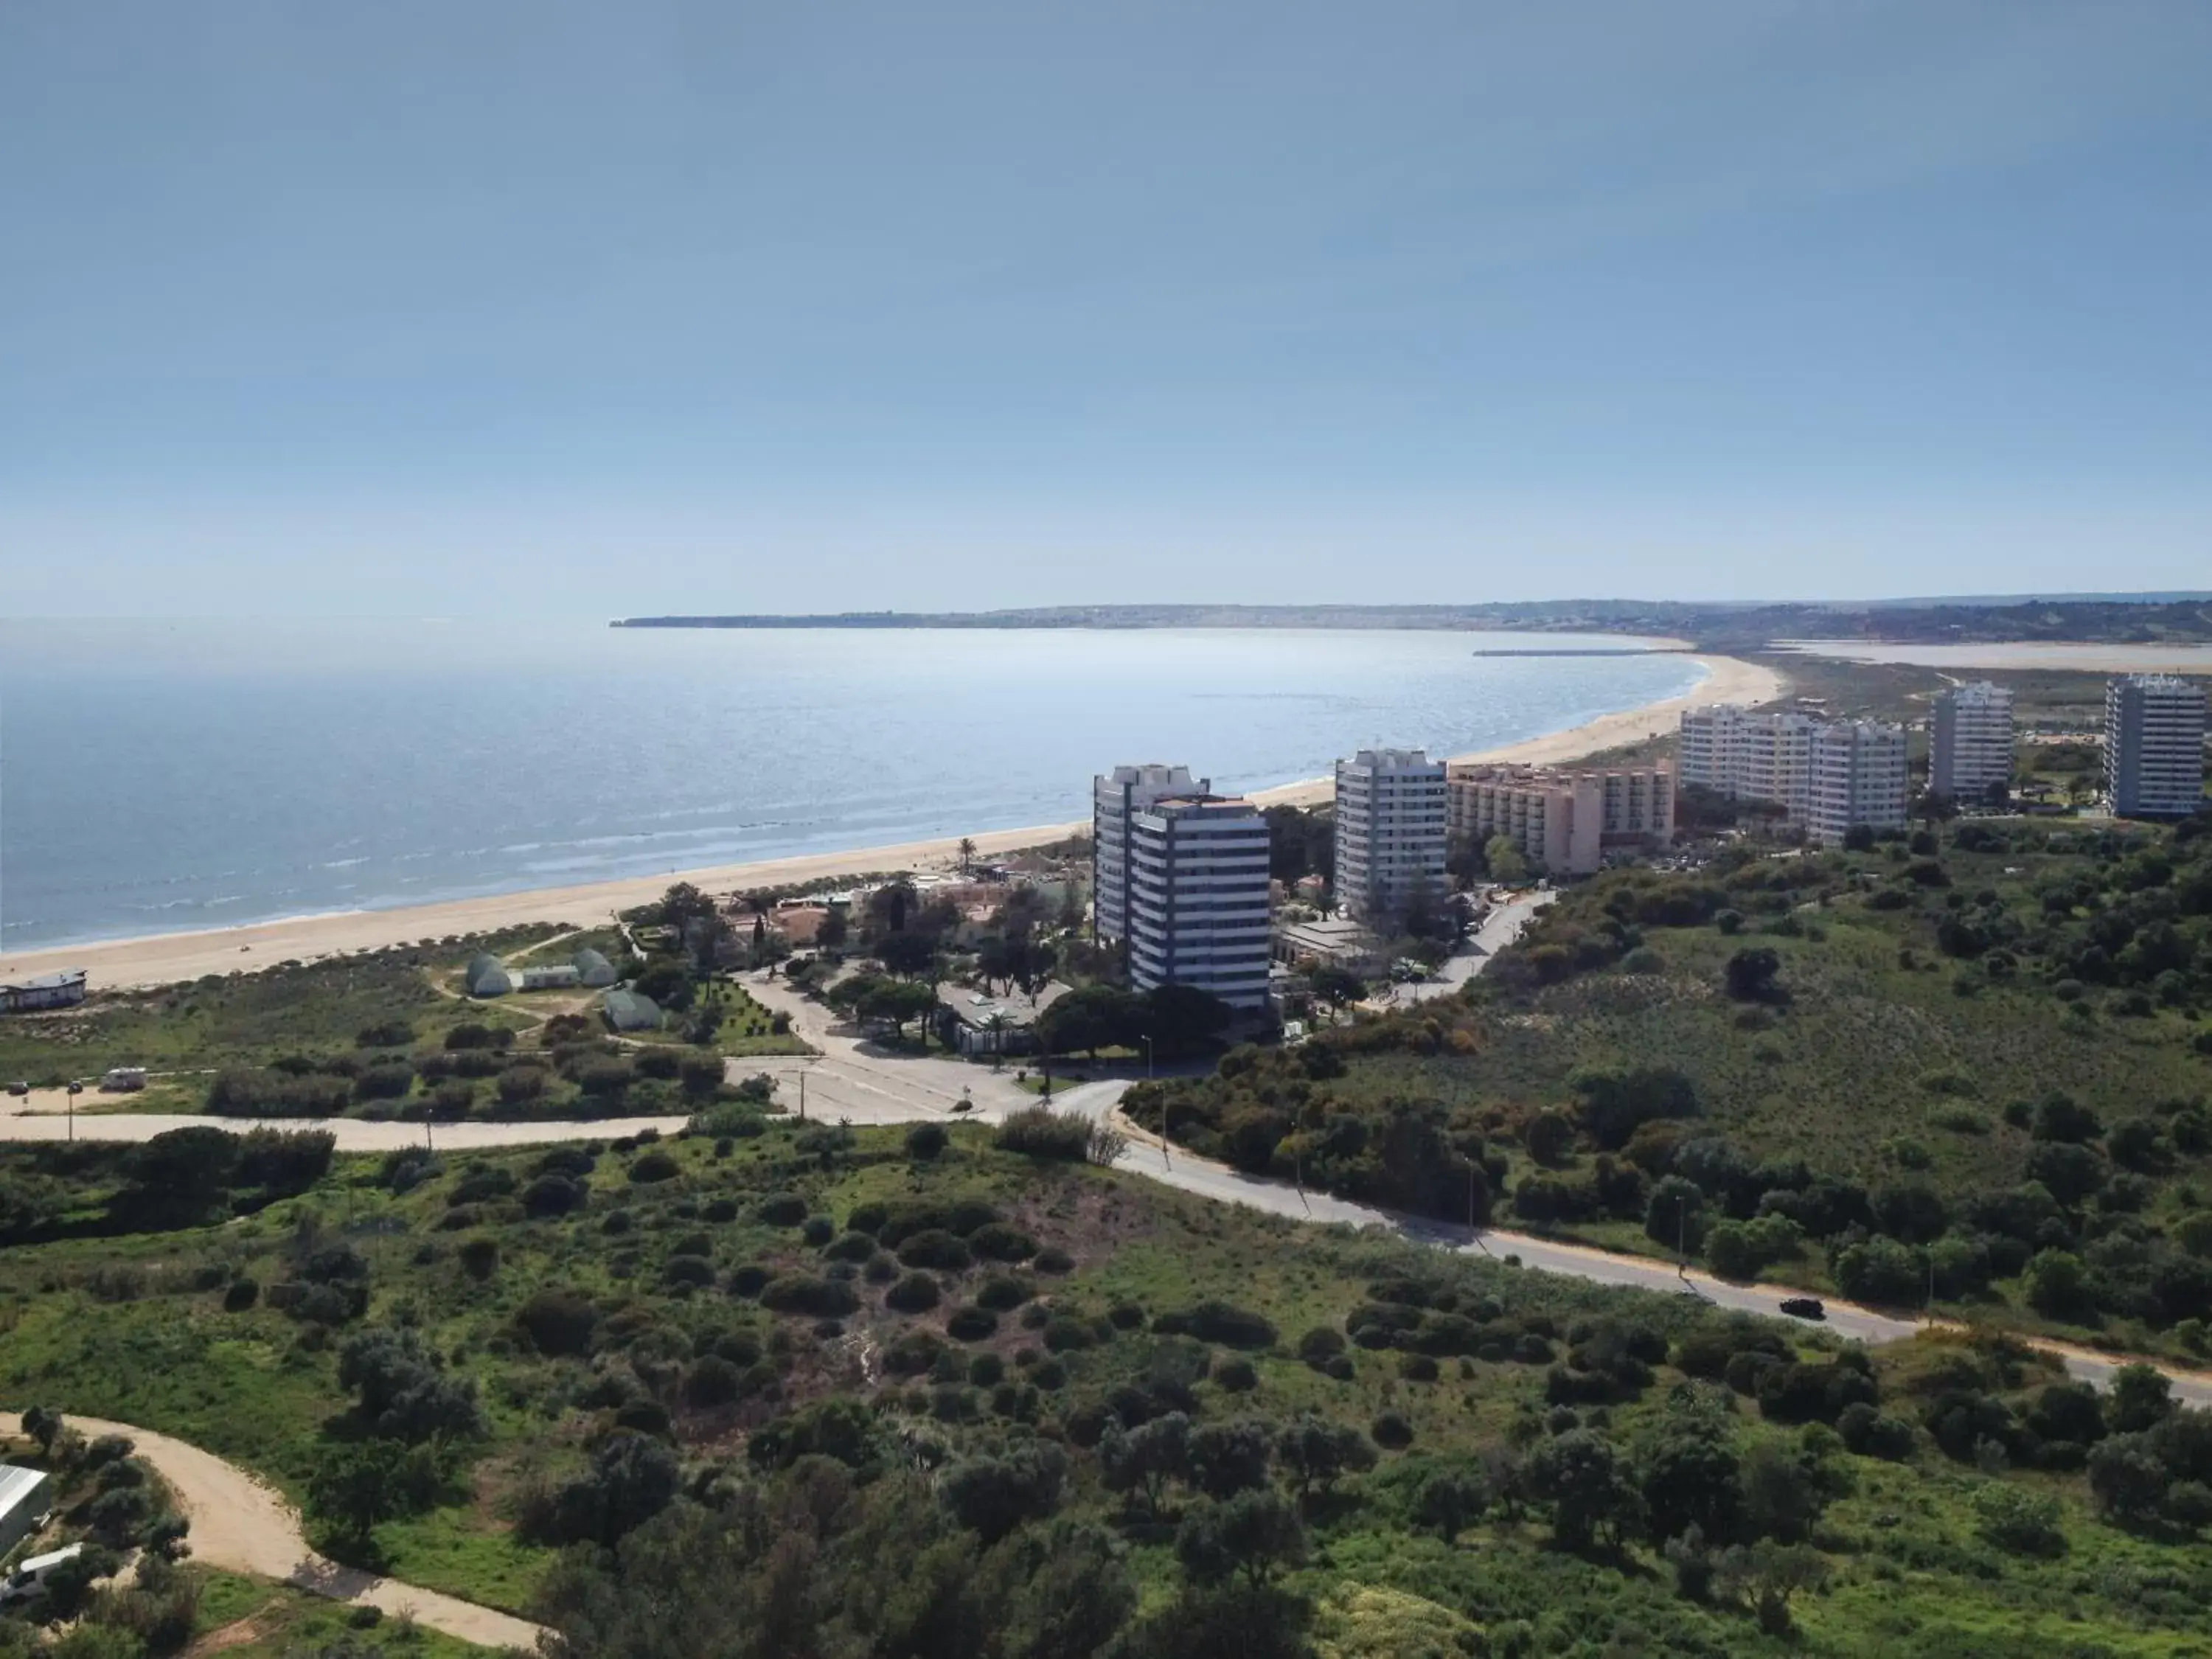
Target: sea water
162,777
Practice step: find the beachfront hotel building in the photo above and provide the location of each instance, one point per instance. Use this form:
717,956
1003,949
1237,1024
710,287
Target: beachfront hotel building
1858,780
2153,746
1390,832
1197,897
1563,822
1115,798
1746,756
1969,741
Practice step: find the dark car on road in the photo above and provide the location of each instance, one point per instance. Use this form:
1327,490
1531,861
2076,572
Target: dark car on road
1803,1307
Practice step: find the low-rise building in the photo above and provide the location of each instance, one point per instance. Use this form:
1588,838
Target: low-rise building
1565,823
26,1495
631,1010
487,976
1330,942
62,990
549,976
979,1025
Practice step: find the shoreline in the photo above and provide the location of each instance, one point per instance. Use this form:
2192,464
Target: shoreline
166,958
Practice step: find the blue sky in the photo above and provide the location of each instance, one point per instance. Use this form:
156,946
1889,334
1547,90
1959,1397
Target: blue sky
605,309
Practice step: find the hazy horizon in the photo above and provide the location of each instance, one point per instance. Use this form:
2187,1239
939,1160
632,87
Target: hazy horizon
576,310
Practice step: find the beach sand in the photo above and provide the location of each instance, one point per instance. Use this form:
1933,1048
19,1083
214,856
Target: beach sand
165,959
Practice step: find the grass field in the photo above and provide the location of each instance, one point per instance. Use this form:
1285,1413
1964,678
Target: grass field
138,1328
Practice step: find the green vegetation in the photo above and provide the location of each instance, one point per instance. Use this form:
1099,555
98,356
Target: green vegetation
1974,1057
1039,1406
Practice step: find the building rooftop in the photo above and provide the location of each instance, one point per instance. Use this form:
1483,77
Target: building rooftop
18,1484
978,1008
45,981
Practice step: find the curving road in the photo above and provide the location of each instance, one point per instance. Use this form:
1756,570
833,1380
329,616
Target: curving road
240,1525
851,1080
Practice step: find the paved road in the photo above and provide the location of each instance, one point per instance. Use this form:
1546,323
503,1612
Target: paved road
854,1081
240,1525
1497,930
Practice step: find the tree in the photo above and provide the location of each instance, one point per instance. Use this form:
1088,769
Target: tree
44,1424
1503,855
906,952
2128,1478
1227,1458
1751,974
405,1394
632,1478
1181,1017
1314,1452
1337,987
897,1001
1450,1500
1550,1137
1768,1574
2058,1284
357,1485
1144,1460
967,853
683,903
1090,1017
1676,1215
1582,1477
2141,1399
992,1496
1256,1533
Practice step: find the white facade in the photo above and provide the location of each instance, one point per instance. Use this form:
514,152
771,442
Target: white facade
1198,897
1858,778
1749,757
1969,741
2153,746
1114,799
1390,831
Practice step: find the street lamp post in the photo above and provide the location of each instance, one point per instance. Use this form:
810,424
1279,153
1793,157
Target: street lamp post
73,1091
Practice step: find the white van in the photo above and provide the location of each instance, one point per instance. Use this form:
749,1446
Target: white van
28,1581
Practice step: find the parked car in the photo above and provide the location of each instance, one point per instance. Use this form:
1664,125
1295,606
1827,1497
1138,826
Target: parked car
28,1581
1803,1307
18,1088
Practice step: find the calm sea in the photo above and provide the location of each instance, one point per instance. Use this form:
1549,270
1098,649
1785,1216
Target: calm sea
157,777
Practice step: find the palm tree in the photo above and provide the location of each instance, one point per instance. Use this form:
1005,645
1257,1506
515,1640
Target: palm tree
967,855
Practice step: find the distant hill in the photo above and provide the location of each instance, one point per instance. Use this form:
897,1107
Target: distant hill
2110,619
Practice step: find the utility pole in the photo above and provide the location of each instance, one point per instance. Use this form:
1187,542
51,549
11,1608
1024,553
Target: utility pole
75,1089
1682,1237
802,1097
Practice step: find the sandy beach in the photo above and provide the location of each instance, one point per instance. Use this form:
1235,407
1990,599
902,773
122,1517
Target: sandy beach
164,959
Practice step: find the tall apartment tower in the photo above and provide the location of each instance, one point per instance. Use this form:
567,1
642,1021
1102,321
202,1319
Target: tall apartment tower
1969,741
1391,811
2153,746
1114,799
1749,757
1858,778
1198,897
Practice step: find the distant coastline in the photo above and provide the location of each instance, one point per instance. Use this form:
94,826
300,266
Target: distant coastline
2173,618
165,959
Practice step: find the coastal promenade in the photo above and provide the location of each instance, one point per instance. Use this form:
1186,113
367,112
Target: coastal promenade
166,958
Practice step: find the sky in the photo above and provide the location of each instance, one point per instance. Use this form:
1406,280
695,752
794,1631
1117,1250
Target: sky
609,309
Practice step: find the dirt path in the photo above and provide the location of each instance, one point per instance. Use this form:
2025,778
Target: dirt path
240,1525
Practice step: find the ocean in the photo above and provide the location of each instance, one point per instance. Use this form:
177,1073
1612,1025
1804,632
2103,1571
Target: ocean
158,777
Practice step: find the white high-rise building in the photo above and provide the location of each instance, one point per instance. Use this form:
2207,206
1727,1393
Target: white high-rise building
1391,811
2153,746
1198,897
1969,741
1858,778
1114,799
1749,756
